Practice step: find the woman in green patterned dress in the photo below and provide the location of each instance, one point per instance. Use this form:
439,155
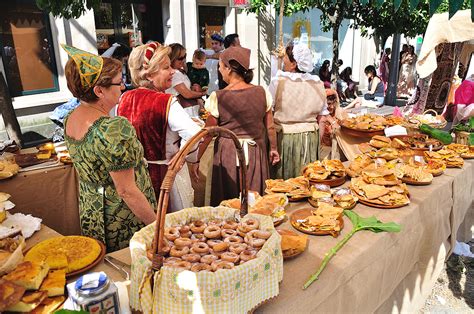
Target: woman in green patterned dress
116,197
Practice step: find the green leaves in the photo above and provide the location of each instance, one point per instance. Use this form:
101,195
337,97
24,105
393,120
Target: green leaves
413,4
67,8
397,4
358,224
371,223
454,6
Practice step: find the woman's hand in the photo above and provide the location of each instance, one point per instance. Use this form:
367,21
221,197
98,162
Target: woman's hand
194,172
274,157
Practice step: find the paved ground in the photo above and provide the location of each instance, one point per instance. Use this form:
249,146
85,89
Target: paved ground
454,290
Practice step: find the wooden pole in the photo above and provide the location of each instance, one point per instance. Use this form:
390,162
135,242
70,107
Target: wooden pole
8,113
280,32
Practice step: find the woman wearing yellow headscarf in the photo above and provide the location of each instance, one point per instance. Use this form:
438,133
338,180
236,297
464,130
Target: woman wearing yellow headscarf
116,197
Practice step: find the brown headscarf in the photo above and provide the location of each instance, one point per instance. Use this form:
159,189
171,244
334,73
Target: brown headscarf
239,54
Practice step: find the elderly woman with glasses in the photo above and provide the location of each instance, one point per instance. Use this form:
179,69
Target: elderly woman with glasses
161,123
116,197
181,85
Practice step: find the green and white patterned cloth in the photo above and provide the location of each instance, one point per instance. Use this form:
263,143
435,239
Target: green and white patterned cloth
237,290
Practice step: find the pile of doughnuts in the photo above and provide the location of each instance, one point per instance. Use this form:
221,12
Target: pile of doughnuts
213,245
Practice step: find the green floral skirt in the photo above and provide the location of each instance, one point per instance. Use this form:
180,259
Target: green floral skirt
296,151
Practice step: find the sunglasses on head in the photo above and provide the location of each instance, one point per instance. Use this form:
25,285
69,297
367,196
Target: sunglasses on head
182,58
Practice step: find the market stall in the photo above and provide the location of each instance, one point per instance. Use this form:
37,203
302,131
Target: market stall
49,192
374,272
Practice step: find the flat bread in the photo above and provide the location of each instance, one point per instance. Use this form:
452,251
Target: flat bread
10,294
80,251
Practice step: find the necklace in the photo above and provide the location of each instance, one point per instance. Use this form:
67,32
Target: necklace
100,110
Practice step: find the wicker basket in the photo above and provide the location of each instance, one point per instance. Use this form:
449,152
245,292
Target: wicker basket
413,122
462,137
157,289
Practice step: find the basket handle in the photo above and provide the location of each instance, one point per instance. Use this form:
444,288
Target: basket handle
431,111
173,168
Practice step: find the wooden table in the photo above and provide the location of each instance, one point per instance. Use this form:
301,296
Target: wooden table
374,272
51,194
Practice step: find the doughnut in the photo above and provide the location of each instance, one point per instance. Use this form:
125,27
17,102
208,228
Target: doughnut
242,231
192,258
250,223
230,257
263,234
197,267
228,232
211,243
179,251
180,242
200,237
181,264
238,248
208,259
256,243
172,233
212,232
216,222
248,255
220,247
185,232
198,226
219,264
230,224
200,248
253,240
234,239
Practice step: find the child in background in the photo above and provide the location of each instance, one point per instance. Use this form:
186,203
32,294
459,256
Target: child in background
197,72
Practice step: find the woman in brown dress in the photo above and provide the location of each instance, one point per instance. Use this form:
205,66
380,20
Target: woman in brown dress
245,109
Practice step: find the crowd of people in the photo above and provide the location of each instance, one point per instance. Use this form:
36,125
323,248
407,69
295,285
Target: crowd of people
122,160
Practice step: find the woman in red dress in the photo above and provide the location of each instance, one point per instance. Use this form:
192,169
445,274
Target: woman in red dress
161,124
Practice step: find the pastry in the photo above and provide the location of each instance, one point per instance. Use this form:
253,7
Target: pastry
77,251
29,275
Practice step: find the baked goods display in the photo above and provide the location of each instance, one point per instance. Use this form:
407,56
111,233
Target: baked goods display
359,163
64,157
34,286
28,274
214,245
8,168
271,205
451,158
387,153
413,174
371,122
416,142
326,219
342,197
12,244
295,189
328,171
292,243
434,166
380,188
70,252
465,151
10,294
379,141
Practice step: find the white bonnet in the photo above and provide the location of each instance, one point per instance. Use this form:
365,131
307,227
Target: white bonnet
303,57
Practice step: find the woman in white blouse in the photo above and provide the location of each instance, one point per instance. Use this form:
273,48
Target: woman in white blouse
181,85
299,100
